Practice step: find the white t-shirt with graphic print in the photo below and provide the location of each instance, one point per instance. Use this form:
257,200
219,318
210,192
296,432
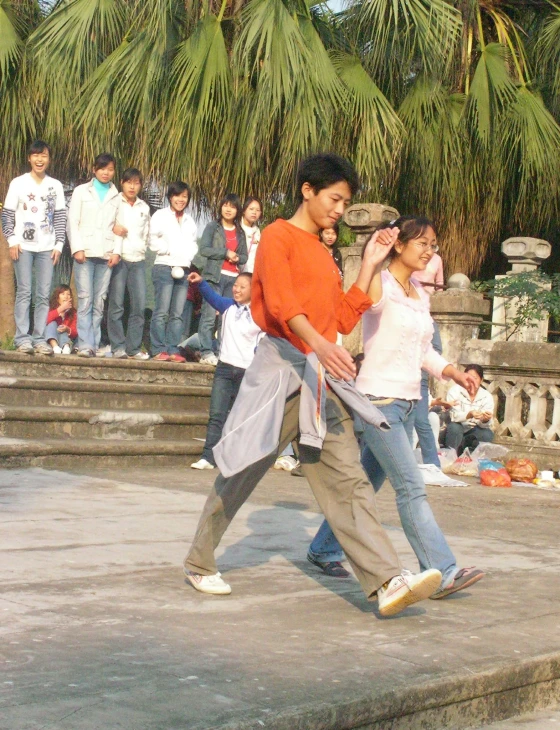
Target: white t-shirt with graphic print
34,206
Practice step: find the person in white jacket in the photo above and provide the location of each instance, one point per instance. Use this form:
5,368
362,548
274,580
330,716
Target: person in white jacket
250,216
133,229
33,222
173,237
91,218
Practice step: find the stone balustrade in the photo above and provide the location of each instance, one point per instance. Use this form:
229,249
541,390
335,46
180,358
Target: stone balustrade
525,383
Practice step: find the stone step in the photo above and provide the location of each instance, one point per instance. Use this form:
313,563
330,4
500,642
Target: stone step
101,394
68,453
86,423
69,367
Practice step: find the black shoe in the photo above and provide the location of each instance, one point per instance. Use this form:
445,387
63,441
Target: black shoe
334,568
297,472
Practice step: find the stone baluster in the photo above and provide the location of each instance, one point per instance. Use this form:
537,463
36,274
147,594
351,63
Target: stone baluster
524,254
459,312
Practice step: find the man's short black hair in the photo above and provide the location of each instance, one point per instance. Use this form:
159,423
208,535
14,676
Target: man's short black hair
132,173
103,160
178,188
38,146
323,170
475,368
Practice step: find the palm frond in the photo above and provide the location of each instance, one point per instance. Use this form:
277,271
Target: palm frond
370,131
492,89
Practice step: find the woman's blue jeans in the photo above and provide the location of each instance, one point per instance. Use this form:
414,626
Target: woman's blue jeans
389,454
166,328
92,279
129,275
43,264
227,381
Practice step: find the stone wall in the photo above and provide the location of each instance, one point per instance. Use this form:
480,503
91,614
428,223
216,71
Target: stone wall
524,380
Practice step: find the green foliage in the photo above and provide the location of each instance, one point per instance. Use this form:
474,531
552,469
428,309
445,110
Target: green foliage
7,343
447,109
530,298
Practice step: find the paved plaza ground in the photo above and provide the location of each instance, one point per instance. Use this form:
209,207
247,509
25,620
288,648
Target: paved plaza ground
99,630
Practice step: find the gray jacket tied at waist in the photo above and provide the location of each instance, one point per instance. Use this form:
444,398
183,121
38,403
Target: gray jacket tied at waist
252,429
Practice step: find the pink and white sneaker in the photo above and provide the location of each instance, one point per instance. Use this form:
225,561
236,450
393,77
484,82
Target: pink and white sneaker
405,589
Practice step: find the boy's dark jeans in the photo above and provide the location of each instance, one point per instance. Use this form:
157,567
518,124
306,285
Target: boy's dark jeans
227,381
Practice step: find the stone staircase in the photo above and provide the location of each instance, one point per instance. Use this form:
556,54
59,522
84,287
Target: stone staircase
102,412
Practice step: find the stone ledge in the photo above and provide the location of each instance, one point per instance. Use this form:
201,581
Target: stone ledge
526,358
457,702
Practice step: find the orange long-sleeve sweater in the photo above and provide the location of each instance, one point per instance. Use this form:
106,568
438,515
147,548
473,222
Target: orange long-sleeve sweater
293,275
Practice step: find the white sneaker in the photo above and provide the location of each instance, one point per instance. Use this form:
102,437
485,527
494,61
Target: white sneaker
202,464
213,584
210,359
103,351
66,350
405,589
287,463
139,356
120,355
57,350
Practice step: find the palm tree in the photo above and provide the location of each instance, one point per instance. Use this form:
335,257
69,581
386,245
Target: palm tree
450,109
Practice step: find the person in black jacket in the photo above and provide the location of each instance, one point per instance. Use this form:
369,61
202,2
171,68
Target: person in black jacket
222,253
329,237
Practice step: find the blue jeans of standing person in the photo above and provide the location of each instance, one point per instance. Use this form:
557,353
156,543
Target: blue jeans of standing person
92,282
426,439
52,333
23,267
389,454
166,328
227,381
207,324
129,275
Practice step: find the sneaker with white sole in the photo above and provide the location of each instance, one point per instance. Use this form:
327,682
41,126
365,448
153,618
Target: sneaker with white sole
26,347
202,464
43,348
120,355
139,356
213,584
57,350
287,463
405,589
210,359
66,350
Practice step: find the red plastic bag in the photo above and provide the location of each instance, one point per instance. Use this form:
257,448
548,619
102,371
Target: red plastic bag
500,478
493,474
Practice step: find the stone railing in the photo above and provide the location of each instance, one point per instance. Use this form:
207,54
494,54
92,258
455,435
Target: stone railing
525,383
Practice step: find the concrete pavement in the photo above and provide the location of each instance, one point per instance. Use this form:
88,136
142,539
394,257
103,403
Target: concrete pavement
99,629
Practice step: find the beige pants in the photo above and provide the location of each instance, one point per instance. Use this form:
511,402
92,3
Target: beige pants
341,489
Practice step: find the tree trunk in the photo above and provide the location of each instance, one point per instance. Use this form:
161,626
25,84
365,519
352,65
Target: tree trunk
7,291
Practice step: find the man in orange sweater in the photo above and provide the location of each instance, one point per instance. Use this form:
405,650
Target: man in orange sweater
297,297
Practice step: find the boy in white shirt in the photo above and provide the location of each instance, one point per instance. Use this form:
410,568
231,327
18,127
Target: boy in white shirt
132,233
34,223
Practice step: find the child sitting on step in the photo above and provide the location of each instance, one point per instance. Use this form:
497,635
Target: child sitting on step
61,321
239,340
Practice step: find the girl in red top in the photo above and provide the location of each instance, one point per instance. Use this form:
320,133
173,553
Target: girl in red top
61,321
